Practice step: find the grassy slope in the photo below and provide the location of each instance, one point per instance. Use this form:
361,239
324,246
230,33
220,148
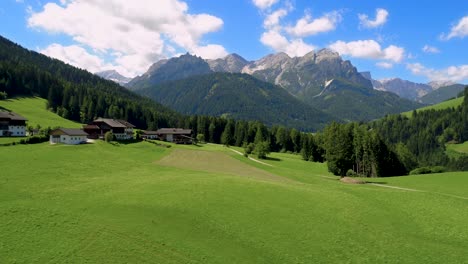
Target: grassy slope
446,104
457,150
34,109
119,204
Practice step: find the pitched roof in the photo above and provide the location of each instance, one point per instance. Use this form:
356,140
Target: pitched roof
125,123
11,116
178,131
110,122
149,132
70,131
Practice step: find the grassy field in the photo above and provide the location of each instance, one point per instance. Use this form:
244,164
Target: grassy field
457,150
34,109
446,104
139,203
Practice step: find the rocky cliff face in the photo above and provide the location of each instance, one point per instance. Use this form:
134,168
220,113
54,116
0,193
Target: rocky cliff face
232,63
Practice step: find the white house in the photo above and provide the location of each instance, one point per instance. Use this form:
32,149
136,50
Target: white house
12,125
71,136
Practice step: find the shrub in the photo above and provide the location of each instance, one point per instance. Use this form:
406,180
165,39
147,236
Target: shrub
428,170
109,136
249,148
262,149
350,173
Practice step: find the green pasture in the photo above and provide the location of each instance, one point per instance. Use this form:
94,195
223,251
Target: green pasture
34,109
443,105
140,203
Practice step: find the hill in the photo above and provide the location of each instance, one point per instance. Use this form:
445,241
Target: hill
238,96
73,93
440,106
141,203
35,110
442,94
358,103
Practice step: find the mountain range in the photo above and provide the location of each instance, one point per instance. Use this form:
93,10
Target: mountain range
239,96
322,80
427,93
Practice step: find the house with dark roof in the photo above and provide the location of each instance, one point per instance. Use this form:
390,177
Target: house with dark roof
121,129
71,136
175,135
12,125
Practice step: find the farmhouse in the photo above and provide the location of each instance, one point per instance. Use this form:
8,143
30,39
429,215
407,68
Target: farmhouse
12,125
71,136
121,129
147,134
175,135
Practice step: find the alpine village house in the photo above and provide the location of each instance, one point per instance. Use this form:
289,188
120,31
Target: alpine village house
12,125
121,129
71,136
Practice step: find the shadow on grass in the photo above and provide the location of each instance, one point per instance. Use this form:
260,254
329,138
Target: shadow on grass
378,182
272,159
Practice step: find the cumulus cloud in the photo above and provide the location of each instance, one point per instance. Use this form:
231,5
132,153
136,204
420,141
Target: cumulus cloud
290,39
307,26
264,4
459,30
75,55
381,16
273,19
139,31
368,49
452,73
279,43
430,49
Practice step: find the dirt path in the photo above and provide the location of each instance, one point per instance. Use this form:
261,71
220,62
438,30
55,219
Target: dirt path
394,187
250,158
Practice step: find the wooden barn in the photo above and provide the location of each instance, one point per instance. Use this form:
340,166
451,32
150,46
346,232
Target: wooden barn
121,129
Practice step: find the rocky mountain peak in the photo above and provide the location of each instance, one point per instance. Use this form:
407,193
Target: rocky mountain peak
114,76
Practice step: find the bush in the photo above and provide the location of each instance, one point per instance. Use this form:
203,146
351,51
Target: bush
350,173
109,136
262,149
35,139
248,148
428,170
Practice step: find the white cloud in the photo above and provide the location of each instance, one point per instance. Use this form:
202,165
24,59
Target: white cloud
273,19
459,30
306,26
368,49
452,73
280,43
264,4
76,56
381,16
140,30
384,65
430,49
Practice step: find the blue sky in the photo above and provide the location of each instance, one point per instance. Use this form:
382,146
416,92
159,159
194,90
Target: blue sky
419,41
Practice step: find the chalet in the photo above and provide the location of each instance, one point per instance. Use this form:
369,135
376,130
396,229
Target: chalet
12,125
146,134
175,135
121,129
71,136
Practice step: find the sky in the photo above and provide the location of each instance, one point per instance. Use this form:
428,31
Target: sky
420,41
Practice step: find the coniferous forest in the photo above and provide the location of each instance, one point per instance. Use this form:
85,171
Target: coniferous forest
394,145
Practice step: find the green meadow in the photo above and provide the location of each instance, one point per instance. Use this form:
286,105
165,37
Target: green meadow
34,109
141,203
443,105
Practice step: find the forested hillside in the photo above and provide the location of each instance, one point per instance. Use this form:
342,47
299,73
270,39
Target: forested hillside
238,96
74,93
